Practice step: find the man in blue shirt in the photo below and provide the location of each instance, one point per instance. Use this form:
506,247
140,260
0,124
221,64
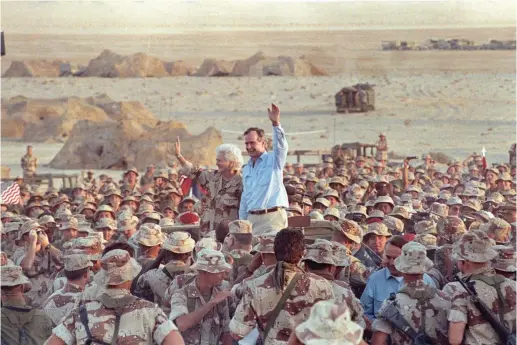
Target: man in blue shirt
264,198
387,280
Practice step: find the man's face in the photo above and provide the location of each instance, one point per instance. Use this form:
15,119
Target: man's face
454,210
108,233
114,200
69,234
310,186
254,145
359,164
105,214
29,150
376,243
333,200
188,206
392,252
168,213
131,177
384,207
299,170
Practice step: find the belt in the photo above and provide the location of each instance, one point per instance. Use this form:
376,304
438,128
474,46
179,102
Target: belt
269,210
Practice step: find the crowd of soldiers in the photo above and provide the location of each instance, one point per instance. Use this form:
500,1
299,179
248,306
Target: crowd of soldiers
138,262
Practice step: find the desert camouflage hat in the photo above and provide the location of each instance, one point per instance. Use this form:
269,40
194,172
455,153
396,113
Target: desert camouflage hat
166,221
495,198
413,259
450,229
351,230
498,229
322,201
321,251
337,180
332,211
77,261
295,210
207,243
46,219
400,211
505,176
332,193
150,235
358,209
12,226
484,215
438,209
473,204
394,225
59,200
240,227
329,323
266,243
376,214
384,200
161,173
306,201
105,208
106,223
71,223
378,229
444,195
212,261
27,227
474,246
93,245
127,223
131,169
506,259
316,215
7,215
85,207
12,275
179,242
340,253
454,200
113,191
428,240
85,227
152,215
425,227
117,267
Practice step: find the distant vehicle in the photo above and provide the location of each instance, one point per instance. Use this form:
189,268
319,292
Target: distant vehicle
359,98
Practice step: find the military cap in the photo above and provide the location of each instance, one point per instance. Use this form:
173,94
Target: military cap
127,223
34,204
266,243
341,254
152,215
179,242
369,203
105,208
384,200
413,259
363,184
75,262
444,195
207,243
376,214
406,198
240,227
337,180
484,215
332,193
87,206
7,215
132,169
113,191
93,245
12,275
106,223
474,246
499,230
358,209
166,221
506,259
316,215
161,173
320,251
393,224
46,219
438,209
378,229
311,178
505,176
128,199
145,208
27,227
351,230
329,323
212,261
12,226
454,201
322,201
428,240
71,223
117,267
450,229
360,159
328,160
425,227
150,235
306,201
332,211
492,170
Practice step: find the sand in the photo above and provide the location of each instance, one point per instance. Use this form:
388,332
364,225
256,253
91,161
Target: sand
455,102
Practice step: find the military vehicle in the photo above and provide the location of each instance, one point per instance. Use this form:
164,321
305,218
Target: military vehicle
359,98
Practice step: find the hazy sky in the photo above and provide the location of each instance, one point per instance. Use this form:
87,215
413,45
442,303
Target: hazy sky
152,16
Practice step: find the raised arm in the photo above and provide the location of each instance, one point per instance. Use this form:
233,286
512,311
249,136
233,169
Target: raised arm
280,146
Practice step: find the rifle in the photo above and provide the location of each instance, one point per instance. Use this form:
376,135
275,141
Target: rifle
506,335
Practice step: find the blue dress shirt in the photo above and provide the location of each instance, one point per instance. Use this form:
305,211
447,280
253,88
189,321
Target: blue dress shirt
263,185
379,287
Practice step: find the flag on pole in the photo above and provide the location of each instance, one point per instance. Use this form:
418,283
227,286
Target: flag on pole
10,193
483,152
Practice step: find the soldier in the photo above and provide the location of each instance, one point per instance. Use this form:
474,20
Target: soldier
107,227
61,303
113,316
375,240
505,262
421,306
149,238
328,323
467,324
175,257
224,185
147,178
498,230
263,294
319,259
37,259
113,198
69,231
238,244
127,225
21,324
29,164
450,230
200,308
130,180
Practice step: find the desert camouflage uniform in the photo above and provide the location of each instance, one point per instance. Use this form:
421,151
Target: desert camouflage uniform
478,330
216,322
158,280
61,303
223,196
356,275
260,299
139,321
40,275
36,324
29,165
436,309
241,259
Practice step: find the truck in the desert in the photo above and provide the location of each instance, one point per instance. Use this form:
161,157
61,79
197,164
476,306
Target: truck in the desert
359,98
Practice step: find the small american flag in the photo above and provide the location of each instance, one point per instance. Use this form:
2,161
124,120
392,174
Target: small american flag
10,193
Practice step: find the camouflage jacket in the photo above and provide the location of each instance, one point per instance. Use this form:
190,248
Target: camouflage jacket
223,199
61,303
41,275
139,321
177,283
36,325
29,164
356,275
156,281
209,330
436,308
260,298
241,259
478,330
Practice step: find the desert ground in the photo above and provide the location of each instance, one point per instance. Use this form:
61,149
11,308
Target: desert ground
450,101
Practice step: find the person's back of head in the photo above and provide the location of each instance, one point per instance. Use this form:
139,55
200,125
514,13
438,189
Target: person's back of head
289,246
222,231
